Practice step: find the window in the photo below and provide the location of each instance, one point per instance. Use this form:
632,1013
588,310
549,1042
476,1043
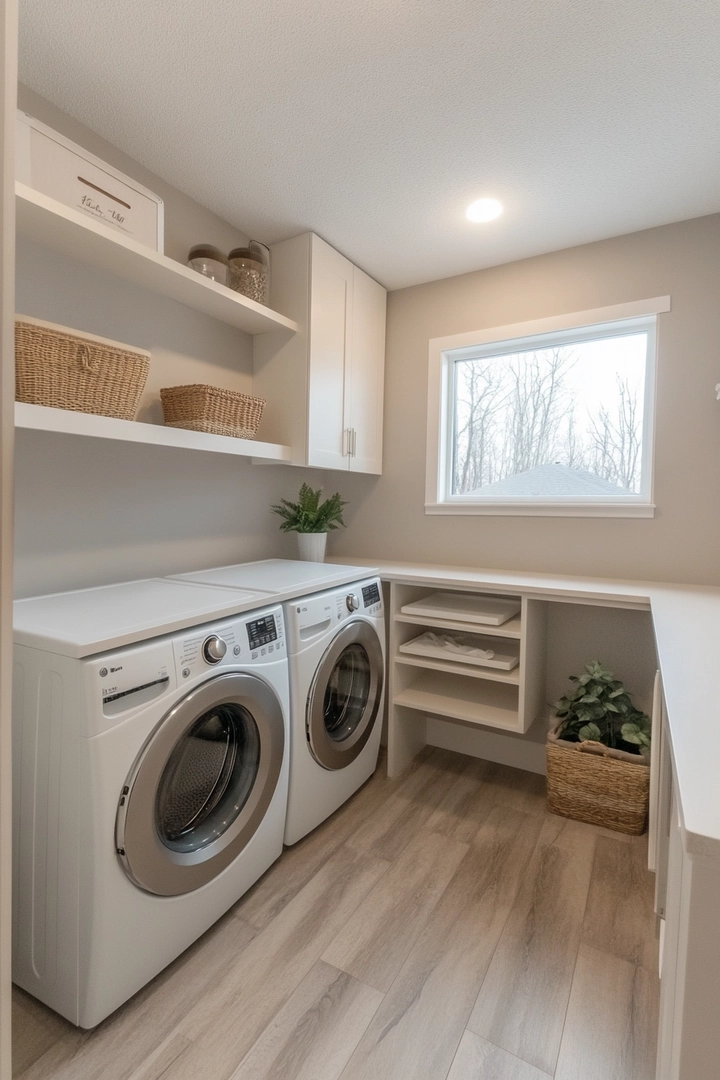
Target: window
553,417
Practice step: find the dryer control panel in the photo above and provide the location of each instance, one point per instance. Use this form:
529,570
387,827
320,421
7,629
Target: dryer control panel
313,616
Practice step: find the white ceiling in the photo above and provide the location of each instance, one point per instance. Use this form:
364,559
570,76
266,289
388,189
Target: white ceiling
375,122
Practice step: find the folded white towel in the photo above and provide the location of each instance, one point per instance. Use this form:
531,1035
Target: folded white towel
455,643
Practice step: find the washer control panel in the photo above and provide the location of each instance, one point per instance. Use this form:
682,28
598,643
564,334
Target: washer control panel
256,639
262,631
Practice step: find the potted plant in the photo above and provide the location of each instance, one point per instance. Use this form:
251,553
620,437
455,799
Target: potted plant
311,519
598,756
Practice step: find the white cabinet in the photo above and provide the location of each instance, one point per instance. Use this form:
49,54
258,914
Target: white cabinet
324,386
688,888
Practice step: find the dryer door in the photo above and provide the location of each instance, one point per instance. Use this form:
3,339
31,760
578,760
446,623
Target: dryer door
345,696
201,785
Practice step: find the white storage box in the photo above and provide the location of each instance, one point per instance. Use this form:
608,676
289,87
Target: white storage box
51,164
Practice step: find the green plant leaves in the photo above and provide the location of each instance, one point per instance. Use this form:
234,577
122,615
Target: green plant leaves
599,708
308,514
590,731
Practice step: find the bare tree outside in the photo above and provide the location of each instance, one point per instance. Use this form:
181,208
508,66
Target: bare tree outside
548,406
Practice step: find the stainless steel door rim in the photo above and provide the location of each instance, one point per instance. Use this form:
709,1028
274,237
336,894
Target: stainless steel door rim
327,751
155,865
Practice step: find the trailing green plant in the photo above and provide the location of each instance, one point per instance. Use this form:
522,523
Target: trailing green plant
600,709
308,514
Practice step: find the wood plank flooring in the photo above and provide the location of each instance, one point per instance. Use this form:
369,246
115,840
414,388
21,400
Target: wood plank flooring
440,926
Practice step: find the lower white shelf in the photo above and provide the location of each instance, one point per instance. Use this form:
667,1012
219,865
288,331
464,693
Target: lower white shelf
476,701
65,422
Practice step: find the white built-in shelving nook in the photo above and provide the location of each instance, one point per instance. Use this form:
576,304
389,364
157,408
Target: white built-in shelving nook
61,228
428,694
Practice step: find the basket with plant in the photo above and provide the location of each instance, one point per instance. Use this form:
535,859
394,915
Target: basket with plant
598,755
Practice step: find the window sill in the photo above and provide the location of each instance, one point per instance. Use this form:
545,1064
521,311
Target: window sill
543,509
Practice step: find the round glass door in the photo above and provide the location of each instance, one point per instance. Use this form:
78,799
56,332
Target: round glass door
201,785
347,693
208,778
344,700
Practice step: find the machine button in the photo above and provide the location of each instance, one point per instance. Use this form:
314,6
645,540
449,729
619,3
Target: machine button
214,648
186,672
103,672
236,650
352,602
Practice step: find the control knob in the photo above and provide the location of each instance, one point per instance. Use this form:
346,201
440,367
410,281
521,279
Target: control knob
214,648
352,602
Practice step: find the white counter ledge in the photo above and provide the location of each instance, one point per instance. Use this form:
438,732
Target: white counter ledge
686,620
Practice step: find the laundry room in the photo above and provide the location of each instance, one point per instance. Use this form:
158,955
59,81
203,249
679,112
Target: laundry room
358,559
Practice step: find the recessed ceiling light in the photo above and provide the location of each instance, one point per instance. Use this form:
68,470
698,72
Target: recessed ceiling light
484,210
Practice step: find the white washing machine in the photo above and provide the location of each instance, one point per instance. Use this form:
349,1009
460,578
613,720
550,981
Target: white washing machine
150,781
336,655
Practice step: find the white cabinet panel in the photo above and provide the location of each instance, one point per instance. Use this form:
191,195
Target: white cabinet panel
331,302
365,379
324,386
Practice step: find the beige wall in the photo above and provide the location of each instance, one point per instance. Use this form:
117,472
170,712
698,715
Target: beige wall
682,542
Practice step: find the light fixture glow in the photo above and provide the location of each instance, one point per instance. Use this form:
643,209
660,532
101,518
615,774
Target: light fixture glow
484,210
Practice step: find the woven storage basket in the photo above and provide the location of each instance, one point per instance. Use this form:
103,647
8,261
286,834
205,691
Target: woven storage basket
67,369
210,408
591,782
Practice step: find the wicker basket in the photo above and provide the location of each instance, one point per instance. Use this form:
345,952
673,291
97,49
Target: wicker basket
210,408
67,369
591,782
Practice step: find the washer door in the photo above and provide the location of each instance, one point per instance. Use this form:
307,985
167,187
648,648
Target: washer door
345,696
201,785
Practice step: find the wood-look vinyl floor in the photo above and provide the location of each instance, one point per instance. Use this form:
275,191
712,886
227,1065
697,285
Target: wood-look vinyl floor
440,926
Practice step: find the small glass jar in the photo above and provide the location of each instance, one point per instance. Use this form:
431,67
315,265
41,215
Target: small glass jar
249,273
263,253
210,262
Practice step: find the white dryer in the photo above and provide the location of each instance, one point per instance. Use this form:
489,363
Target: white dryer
336,656
150,781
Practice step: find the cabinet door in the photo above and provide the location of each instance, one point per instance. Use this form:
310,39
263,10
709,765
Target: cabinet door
330,328
365,374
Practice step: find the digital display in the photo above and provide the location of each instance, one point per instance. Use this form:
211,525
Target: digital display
371,594
262,631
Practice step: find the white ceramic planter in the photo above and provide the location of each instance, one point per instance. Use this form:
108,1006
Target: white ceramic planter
311,546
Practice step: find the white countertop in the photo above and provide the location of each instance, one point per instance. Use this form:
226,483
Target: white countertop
686,619
86,622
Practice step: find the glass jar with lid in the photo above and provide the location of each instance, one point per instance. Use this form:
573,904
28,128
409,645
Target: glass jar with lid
210,262
250,271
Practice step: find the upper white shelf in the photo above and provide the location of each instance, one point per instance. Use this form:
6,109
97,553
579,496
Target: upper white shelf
48,222
65,422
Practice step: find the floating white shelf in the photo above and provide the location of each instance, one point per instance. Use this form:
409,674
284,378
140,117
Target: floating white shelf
48,222
65,422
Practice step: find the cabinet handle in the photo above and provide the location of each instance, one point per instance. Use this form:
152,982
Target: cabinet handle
354,441
346,442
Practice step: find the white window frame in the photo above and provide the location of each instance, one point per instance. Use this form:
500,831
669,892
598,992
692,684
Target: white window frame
445,351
